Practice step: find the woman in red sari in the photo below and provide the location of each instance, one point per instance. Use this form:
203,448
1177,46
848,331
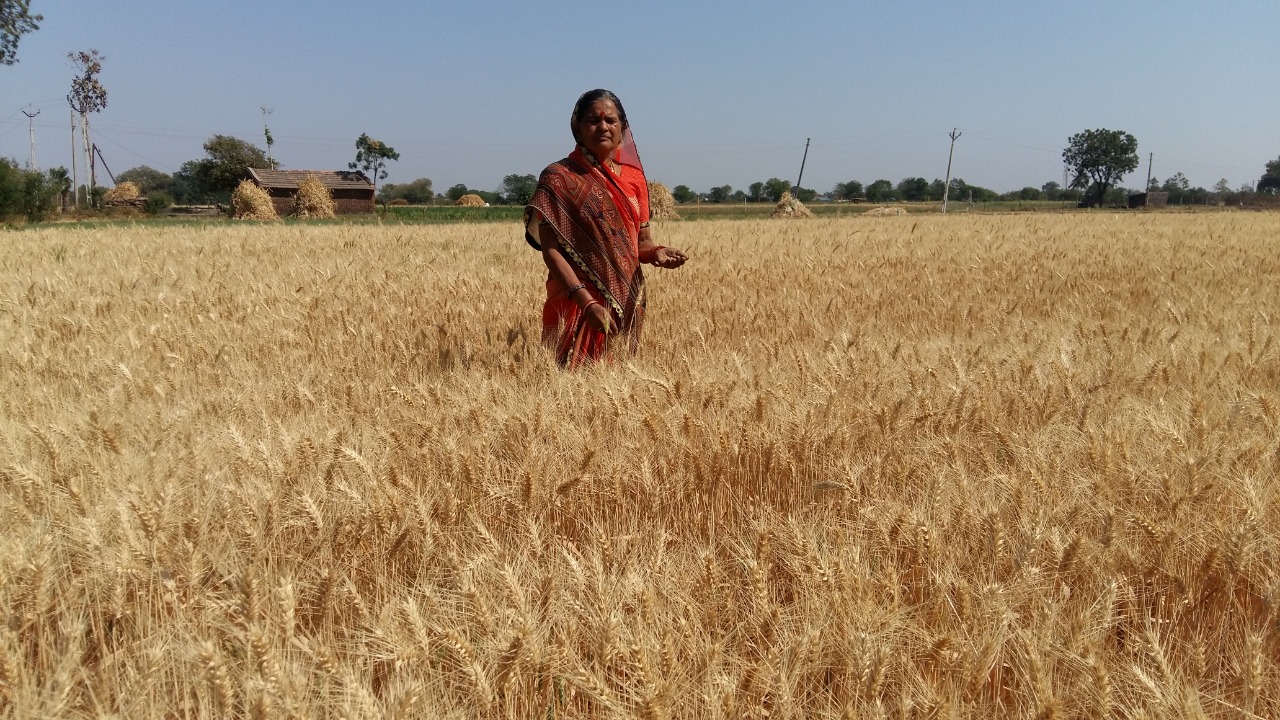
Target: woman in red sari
590,218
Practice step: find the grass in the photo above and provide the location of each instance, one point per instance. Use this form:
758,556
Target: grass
974,466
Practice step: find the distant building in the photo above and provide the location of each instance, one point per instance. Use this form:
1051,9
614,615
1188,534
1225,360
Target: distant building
352,191
1149,200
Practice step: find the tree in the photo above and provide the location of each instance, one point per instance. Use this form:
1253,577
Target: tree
372,157
146,178
87,95
518,189
773,189
851,190
224,168
755,192
720,194
16,20
913,189
1100,158
418,192
60,181
804,194
1270,181
1177,186
456,192
682,194
880,191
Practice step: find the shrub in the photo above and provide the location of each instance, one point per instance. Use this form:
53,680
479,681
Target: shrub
158,201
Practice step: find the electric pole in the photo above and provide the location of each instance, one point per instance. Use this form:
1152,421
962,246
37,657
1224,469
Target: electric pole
31,134
1146,200
267,132
75,177
946,189
802,161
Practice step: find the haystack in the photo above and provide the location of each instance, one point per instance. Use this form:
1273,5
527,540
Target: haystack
661,205
124,191
789,207
313,200
470,200
889,210
250,202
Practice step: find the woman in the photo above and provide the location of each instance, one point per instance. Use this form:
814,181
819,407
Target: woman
590,218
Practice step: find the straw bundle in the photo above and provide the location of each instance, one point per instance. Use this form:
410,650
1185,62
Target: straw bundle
124,191
661,205
313,199
250,202
890,210
470,200
789,207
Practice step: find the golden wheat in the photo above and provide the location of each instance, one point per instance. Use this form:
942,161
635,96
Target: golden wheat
959,466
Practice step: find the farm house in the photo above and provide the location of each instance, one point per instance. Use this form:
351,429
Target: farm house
352,191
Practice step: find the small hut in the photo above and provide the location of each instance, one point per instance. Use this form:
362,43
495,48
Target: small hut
351,190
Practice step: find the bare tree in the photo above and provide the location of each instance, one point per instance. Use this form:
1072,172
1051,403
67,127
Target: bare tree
87,96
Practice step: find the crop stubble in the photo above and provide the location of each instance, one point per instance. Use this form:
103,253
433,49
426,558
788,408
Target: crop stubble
893,467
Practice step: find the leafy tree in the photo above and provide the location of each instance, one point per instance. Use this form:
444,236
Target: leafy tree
682,194
804,194
848,190
720,194
456,192
738,196
87,95
146,178
755,192
418,192
372,157
1050,187
16,20
936,189
913,189
1100,158
25,193
1270,181
773,189
185,188
880,191
224,168
518,189
60,182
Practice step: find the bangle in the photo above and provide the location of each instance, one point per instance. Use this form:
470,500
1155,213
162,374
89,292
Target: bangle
593,302
574,289
650,256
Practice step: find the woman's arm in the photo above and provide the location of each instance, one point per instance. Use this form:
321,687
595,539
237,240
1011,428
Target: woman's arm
597,314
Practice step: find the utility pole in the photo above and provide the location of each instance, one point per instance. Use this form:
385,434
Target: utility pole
75,177
946,189
267,132
31,134
802,161
1146,200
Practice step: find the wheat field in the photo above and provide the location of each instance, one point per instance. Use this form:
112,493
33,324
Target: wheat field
904,467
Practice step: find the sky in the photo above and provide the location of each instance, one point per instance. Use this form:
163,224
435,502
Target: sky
716,92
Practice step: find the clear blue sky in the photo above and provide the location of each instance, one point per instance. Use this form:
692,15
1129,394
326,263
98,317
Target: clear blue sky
717,92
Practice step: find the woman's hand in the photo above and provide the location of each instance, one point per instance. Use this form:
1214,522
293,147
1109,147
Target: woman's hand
669,258
599,317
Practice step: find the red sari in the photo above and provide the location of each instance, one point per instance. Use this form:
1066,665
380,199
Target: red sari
596,213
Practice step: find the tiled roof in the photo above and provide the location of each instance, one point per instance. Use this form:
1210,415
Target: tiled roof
332,179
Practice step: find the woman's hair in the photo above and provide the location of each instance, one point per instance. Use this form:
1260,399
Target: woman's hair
584,103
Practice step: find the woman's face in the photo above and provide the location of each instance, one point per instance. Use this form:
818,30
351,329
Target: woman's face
600,129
